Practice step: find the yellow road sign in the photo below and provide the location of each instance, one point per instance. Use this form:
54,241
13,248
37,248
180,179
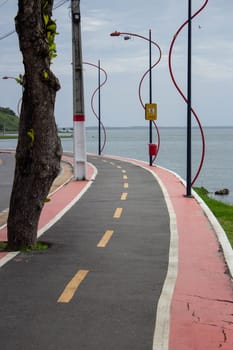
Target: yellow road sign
151,111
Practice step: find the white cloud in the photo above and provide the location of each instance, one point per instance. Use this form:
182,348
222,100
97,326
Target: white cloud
211,70
126,61
93,24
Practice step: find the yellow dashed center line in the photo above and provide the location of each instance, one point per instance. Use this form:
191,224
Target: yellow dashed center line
72,286
105,239
124,196
75,282
118,213
0,161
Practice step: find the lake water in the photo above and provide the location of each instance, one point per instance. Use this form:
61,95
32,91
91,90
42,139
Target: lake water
217,171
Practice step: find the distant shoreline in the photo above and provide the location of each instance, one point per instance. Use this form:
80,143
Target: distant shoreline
160,127
14,137
70,135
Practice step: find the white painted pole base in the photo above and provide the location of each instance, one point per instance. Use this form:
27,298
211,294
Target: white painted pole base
80,158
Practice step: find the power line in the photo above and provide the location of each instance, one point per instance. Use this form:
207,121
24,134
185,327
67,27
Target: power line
7,34
62,2
56,6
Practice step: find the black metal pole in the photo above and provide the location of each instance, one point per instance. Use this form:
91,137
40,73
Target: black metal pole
99,106
150,94
189,106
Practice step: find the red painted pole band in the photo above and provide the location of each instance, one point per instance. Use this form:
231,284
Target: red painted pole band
79,118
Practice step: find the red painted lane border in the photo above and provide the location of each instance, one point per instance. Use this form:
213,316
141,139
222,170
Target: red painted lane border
202,304
201,314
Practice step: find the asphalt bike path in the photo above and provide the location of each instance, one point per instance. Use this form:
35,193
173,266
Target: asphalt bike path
98,284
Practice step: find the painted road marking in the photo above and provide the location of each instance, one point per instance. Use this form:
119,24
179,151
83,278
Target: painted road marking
123,171
125,177
105,239
124,196
112,163
72,286
0,161
126,185
119,167
118,213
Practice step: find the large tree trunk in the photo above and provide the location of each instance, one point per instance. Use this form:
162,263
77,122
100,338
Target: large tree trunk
39,149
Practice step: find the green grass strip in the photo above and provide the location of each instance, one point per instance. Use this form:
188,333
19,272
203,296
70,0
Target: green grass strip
40,246
222,211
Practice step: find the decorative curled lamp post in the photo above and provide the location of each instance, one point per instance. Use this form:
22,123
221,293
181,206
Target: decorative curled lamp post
98,116
150,108
143,105
190,110
18,80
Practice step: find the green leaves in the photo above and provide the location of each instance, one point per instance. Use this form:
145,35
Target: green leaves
31,135
45,74
46,19
19,79
50,27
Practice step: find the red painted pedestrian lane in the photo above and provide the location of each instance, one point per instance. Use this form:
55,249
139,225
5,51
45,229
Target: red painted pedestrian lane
63,197
59,200
202,304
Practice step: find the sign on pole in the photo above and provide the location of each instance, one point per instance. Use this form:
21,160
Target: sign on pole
151,111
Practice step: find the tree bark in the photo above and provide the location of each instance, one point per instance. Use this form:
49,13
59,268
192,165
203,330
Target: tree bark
39,150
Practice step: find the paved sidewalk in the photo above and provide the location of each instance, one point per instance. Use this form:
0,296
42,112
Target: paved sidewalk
123,284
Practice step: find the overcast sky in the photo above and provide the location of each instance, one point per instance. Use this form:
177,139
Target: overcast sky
126,61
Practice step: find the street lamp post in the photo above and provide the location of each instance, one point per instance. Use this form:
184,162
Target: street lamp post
98,116
189,106
18,80
150,96
99,109
190,110
127,36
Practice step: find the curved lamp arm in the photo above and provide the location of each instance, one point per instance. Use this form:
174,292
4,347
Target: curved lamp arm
92,99
127,36
182,94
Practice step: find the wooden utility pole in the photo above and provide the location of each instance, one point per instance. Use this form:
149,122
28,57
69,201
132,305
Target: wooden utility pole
78,95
